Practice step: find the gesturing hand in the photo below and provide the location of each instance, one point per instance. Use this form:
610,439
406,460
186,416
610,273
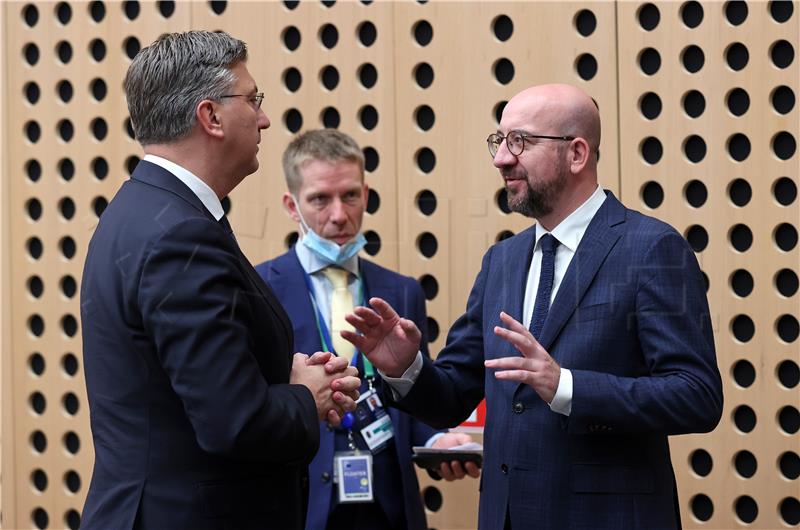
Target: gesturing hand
389,341
535,368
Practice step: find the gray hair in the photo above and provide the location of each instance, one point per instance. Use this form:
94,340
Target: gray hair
167,80
328,145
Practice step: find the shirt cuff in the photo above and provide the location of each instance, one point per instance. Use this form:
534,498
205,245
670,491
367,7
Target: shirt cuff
432,439
562,401
401,386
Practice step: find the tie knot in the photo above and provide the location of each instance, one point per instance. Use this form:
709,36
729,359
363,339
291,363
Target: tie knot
337,276
548,243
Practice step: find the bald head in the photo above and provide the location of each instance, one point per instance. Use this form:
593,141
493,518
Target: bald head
557,109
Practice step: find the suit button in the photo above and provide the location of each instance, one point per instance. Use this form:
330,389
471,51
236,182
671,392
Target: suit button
326,477
518,407
504,469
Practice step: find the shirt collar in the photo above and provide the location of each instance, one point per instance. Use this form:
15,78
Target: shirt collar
312,264
569,232
193,182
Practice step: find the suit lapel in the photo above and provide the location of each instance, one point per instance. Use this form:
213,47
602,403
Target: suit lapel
375,284
515,261
286,279
597,242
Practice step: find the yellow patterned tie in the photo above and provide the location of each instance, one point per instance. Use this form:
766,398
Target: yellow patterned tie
341,304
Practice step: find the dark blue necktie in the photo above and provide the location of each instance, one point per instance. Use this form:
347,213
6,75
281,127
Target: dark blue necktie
546,272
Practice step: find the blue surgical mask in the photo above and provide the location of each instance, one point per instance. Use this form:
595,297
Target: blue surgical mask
326,250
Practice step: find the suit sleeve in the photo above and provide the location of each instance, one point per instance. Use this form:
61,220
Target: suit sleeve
197,307
447,391
682,393
420,431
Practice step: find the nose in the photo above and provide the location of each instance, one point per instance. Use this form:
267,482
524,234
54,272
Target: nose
263,121
503,157
337,212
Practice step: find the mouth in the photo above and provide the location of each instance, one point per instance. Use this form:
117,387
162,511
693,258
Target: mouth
342,239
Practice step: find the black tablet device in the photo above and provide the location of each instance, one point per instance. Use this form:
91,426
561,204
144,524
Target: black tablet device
432,459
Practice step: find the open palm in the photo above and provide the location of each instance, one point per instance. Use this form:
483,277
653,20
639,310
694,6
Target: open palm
389,341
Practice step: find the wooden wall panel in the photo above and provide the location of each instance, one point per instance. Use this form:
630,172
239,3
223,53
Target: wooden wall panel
442,69
722,196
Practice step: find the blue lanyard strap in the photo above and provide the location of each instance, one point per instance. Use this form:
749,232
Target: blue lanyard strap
324,332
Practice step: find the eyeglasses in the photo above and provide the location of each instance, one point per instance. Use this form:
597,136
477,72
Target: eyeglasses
515,141
255,99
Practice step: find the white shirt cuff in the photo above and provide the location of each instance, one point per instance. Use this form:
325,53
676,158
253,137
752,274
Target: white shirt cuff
562,401
432,439
402,385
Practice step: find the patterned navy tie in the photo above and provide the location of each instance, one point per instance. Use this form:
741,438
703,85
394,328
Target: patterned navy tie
546,271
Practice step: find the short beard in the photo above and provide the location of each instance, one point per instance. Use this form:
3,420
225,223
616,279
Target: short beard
540,201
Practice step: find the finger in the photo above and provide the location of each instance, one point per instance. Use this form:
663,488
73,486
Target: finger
411,330
320,357
334,419
336,365
383,308
525,344
513,324
344,401
359,341
369,316
510,363
458,470
472,469
346,384
520,376
445,472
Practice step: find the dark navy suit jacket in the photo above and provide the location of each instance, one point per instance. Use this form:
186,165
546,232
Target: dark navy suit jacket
187,356
285,275
631,321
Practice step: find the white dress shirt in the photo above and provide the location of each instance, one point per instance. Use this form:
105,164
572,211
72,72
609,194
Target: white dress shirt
569,233
198,187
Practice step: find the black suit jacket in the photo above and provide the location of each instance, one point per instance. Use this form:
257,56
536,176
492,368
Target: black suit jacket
187,356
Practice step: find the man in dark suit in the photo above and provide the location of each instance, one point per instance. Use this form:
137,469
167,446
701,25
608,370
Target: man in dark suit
327,196
581,394
201,417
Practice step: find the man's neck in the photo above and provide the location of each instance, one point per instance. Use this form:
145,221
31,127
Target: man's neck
192,158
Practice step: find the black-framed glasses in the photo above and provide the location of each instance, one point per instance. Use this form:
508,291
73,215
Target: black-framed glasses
515,141
255,99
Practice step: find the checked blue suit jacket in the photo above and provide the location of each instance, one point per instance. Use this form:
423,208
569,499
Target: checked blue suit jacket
285,275
631,321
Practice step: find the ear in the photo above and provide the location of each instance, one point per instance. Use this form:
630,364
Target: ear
365,194
291,206
578,155
208,118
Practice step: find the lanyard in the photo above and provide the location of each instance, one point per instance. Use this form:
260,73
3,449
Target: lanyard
324,332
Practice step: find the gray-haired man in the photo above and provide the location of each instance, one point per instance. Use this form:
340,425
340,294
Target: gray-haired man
201,417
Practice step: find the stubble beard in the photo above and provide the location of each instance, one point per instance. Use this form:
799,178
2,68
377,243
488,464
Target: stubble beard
540,199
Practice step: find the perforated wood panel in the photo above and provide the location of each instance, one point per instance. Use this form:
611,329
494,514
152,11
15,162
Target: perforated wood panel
708,134
420,86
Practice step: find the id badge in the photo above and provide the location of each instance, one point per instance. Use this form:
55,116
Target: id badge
354,476
372,421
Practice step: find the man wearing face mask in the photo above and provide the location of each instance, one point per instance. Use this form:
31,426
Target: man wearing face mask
318,282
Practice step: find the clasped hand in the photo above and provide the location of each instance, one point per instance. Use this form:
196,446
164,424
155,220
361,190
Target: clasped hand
331,380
